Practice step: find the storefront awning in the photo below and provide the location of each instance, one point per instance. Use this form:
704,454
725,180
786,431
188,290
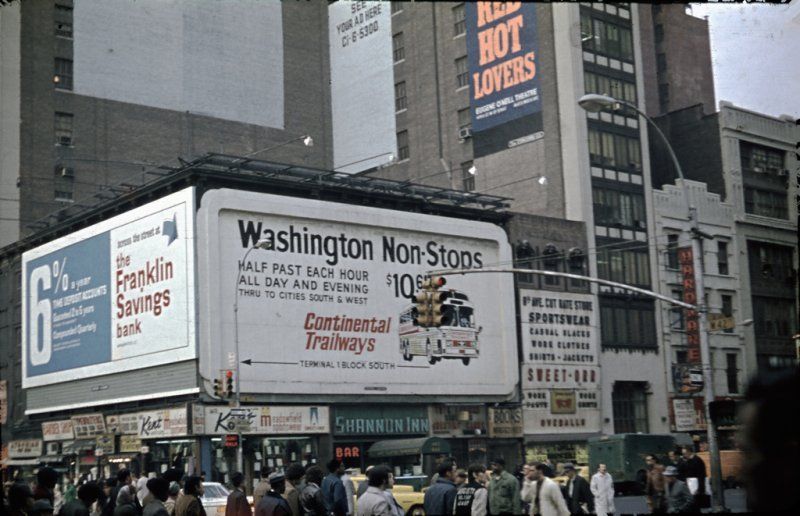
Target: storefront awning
404,447
20,462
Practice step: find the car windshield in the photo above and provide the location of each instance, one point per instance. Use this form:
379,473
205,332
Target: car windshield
214,491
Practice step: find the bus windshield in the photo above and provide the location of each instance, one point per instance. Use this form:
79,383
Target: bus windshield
457,316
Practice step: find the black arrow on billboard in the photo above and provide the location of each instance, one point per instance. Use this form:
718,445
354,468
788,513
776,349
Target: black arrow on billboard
250,361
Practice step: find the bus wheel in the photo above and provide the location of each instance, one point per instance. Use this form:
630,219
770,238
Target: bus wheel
429,353
465,360
406,355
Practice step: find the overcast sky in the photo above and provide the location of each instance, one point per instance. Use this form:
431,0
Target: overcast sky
755,50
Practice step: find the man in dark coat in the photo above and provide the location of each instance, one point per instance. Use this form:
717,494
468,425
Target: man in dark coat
440,497
88,493
333,491
46,479
237,501
578,492
272,503
159,488
694,467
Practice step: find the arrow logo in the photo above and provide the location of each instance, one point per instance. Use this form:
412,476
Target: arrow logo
250,361
170,229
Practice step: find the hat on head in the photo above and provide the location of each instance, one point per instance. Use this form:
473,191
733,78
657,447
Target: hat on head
569,466
174,489
276,478
40,506
671,471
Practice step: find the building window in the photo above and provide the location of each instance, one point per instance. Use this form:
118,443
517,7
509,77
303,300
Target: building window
402,145
732,373
759,159
659,33
615,150
63,128
459,20
63,74
397,7
467,177
462,72
766,203
672,252
398,47
64,183
663,94
629,266
770,263
722,258
627,324
676,313
774,317
464,119
612,40
619,208
661,62
617,88
400,99
727,308
63,29
629,402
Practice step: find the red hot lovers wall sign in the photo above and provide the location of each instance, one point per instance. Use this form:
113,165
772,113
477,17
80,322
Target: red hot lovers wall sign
560,372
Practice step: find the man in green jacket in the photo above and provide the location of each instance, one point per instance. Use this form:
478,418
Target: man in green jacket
503,491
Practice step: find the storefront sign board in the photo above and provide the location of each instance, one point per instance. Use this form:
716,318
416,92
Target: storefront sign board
123,424
129,444
88,425
58,430
380,421
162,423
25,448
269,420
560,370
458,420
505,422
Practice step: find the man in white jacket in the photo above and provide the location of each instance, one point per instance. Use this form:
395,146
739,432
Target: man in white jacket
602,486
543,493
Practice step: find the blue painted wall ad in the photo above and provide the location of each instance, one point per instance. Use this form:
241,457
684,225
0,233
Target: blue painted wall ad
505,97
112,297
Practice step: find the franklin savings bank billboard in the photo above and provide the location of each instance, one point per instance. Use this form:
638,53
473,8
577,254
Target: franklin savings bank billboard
327,308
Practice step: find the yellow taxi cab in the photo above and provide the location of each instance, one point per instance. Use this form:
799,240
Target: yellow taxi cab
411,501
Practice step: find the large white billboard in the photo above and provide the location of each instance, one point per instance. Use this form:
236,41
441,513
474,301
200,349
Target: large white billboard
112,297
560,368
362,84
220,59
327,310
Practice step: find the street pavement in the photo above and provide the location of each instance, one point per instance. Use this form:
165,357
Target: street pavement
734,501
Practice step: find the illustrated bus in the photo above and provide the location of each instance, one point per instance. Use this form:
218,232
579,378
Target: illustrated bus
457,337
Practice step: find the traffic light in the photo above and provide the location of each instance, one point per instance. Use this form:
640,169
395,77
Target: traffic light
218,388
229,383
423,308
437,310
429,302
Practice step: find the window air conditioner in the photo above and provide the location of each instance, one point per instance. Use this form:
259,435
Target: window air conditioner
464,133
67,172
65,140
783,172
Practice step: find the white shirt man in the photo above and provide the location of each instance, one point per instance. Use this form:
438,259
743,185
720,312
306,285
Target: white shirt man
543,493
602,486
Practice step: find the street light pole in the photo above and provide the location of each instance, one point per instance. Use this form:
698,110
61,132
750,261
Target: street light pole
261,244
594,103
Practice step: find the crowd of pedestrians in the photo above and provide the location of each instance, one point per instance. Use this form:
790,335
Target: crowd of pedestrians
677,485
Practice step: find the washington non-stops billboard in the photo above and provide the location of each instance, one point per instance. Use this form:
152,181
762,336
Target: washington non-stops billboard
113,297
327,308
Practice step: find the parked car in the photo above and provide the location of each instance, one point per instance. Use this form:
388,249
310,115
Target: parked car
215,498
411,501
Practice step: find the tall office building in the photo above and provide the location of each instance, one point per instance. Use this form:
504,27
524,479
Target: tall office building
97,94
